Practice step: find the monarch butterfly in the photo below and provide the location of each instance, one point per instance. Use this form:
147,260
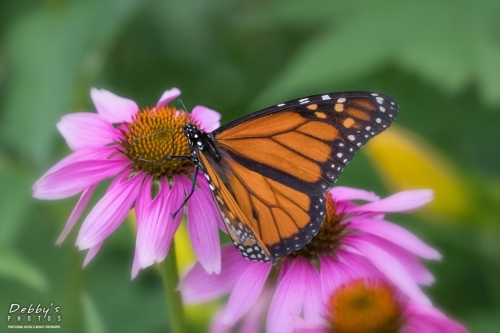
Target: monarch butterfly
268,171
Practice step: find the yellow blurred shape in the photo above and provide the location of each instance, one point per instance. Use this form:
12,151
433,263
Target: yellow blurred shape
201,315
406,161
183,249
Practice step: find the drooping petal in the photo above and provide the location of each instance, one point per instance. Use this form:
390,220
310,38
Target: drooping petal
253,321
91,254
150,218
423,318
359,266
120,178
341,193
149,213
399,202
76,213
246,291
169,224
84,154
168,96
109,213
85,129
217,325
135,266
333,274
396,235
198,286
406,259
288,299
202,227
433,319
207,118
388,265
76,177
144,199
313,305
112,107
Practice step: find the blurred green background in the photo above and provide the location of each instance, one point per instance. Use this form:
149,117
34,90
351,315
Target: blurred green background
440,60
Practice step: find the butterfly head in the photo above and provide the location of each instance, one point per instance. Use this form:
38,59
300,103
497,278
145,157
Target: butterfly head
195,136
199,140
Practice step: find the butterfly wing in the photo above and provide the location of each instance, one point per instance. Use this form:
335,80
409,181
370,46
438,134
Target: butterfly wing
274,165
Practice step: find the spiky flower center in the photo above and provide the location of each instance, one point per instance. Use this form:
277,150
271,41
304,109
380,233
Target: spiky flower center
153,137
329,235
364,306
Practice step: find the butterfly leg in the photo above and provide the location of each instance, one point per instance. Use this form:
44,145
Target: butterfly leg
193,187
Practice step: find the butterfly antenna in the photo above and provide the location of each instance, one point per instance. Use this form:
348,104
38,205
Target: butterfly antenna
183,106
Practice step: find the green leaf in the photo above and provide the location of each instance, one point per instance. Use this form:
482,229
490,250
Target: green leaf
14,266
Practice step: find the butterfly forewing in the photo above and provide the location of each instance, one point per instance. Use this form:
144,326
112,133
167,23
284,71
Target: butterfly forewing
306,143
273,166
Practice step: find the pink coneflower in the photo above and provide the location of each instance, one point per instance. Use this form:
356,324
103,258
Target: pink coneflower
132,145
371,306
352,237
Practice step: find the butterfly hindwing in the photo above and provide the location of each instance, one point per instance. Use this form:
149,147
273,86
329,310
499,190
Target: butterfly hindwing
270,169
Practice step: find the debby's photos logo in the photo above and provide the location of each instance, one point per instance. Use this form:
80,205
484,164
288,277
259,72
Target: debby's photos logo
34,316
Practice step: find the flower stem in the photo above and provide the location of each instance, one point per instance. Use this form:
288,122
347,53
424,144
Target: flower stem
170,277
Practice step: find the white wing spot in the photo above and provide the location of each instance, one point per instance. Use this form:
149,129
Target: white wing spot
281,104
341,100
378,120
382,109
325,97
351,137
380,100
374,94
